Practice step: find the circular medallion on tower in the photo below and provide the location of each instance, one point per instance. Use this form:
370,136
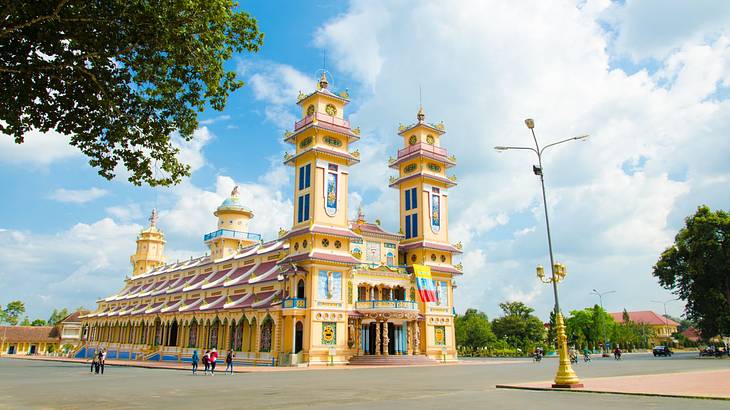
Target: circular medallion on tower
325,242
310,110
413,140
429,139
330,110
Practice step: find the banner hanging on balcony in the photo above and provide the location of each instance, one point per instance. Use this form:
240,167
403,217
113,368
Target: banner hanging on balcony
426,289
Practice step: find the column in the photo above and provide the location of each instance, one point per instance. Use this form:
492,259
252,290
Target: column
409,338
377,338
357,336
416,337
386,339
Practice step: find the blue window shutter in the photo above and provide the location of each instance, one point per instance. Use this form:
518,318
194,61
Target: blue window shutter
300,209
306,207
408,224
308,169
414,228
414,200
301,177
408,199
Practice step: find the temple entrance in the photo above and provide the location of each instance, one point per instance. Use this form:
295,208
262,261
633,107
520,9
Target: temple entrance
391,336
372,342
33,349
298,337
11,349
172,341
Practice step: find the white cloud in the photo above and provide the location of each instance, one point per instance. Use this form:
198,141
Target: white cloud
277,85
191,152
126,213
78,196
213,120
39,149
483,73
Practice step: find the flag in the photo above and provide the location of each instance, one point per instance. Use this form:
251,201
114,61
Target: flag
426,288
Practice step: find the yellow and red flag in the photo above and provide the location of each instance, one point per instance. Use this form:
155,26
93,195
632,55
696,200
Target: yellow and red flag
426,288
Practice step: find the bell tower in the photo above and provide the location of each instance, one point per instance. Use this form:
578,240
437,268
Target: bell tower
319,239
150,248
423,187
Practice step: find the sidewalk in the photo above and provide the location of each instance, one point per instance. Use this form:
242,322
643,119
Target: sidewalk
706,384
220,367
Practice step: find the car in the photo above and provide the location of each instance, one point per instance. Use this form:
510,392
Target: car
661,351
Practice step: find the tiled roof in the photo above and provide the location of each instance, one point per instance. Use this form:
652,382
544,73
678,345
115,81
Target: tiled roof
323,230
373,229
321,256
15,334
430,245
644,316
74,317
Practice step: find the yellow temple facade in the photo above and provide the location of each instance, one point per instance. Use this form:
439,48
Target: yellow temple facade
329,290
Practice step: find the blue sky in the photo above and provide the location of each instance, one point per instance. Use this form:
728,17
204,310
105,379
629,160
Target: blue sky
648,80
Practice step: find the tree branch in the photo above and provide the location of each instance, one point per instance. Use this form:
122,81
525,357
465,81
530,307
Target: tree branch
36,20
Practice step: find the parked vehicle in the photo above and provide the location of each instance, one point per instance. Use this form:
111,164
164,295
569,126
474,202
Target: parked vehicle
662,351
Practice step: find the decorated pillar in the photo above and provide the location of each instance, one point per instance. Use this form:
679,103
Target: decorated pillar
377,338
386,339
416,337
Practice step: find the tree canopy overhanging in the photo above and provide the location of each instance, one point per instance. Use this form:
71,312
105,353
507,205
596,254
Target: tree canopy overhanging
697,269
119,76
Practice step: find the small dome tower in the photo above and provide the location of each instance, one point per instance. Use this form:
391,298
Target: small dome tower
232,233
150,248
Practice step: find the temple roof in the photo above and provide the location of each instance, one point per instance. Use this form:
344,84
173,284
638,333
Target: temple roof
15,334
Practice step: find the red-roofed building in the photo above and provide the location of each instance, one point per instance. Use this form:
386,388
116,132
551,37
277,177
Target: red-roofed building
663,327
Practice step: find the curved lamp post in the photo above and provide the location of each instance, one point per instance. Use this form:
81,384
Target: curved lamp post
600,297
565,377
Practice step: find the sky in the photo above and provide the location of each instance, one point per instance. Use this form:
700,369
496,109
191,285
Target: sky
649,81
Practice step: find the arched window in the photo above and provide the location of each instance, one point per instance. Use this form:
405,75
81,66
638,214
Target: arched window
266,329
389,258
300,289
193,338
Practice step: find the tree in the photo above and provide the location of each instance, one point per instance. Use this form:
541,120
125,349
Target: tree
518,326
552,333
12,312
25,322
473,330
38,322
697,269
119,76
57,316
586,327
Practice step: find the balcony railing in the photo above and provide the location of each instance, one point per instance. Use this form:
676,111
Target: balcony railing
386,304
425,147
321,117
231,234
295,303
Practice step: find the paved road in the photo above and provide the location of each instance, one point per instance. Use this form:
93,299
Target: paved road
35,384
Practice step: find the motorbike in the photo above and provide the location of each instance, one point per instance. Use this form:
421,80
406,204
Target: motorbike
586,357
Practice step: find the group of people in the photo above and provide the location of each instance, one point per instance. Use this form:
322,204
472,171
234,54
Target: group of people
98,361
209,360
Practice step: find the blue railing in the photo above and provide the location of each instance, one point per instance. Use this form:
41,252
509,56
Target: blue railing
228,233
295,303
386,304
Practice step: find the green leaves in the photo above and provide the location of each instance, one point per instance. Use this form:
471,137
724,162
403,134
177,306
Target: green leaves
697,269
12,312
120,76
473,330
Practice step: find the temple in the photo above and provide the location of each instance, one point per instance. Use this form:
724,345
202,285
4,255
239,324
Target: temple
327,290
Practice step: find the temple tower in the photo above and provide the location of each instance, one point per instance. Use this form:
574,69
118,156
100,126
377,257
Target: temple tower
232,233
150,248
424,203
319,239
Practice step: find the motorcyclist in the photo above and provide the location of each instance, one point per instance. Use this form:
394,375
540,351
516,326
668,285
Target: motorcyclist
617,353
586,354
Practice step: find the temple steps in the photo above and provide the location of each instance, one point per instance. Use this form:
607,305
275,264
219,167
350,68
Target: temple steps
391,360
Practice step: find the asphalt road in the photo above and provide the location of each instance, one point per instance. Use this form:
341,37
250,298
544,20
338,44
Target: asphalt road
37,384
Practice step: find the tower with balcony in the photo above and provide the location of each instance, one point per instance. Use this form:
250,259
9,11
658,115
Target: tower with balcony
423,186
319,238
232,233
150,252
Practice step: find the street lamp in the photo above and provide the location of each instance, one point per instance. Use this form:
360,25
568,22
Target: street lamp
565,377
664,302
600,297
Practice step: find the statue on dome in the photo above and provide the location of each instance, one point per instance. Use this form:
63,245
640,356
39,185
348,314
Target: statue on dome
153,218
234,193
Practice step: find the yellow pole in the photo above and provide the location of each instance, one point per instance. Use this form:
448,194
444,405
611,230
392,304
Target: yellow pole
566,377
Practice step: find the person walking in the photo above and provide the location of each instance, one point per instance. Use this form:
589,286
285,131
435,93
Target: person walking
195,360
206,362
213,358
102,360
229,360
94,364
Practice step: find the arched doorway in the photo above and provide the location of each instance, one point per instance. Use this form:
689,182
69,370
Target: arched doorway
266,332
298,337
172,341
193,337
158,332
300,289
213,335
